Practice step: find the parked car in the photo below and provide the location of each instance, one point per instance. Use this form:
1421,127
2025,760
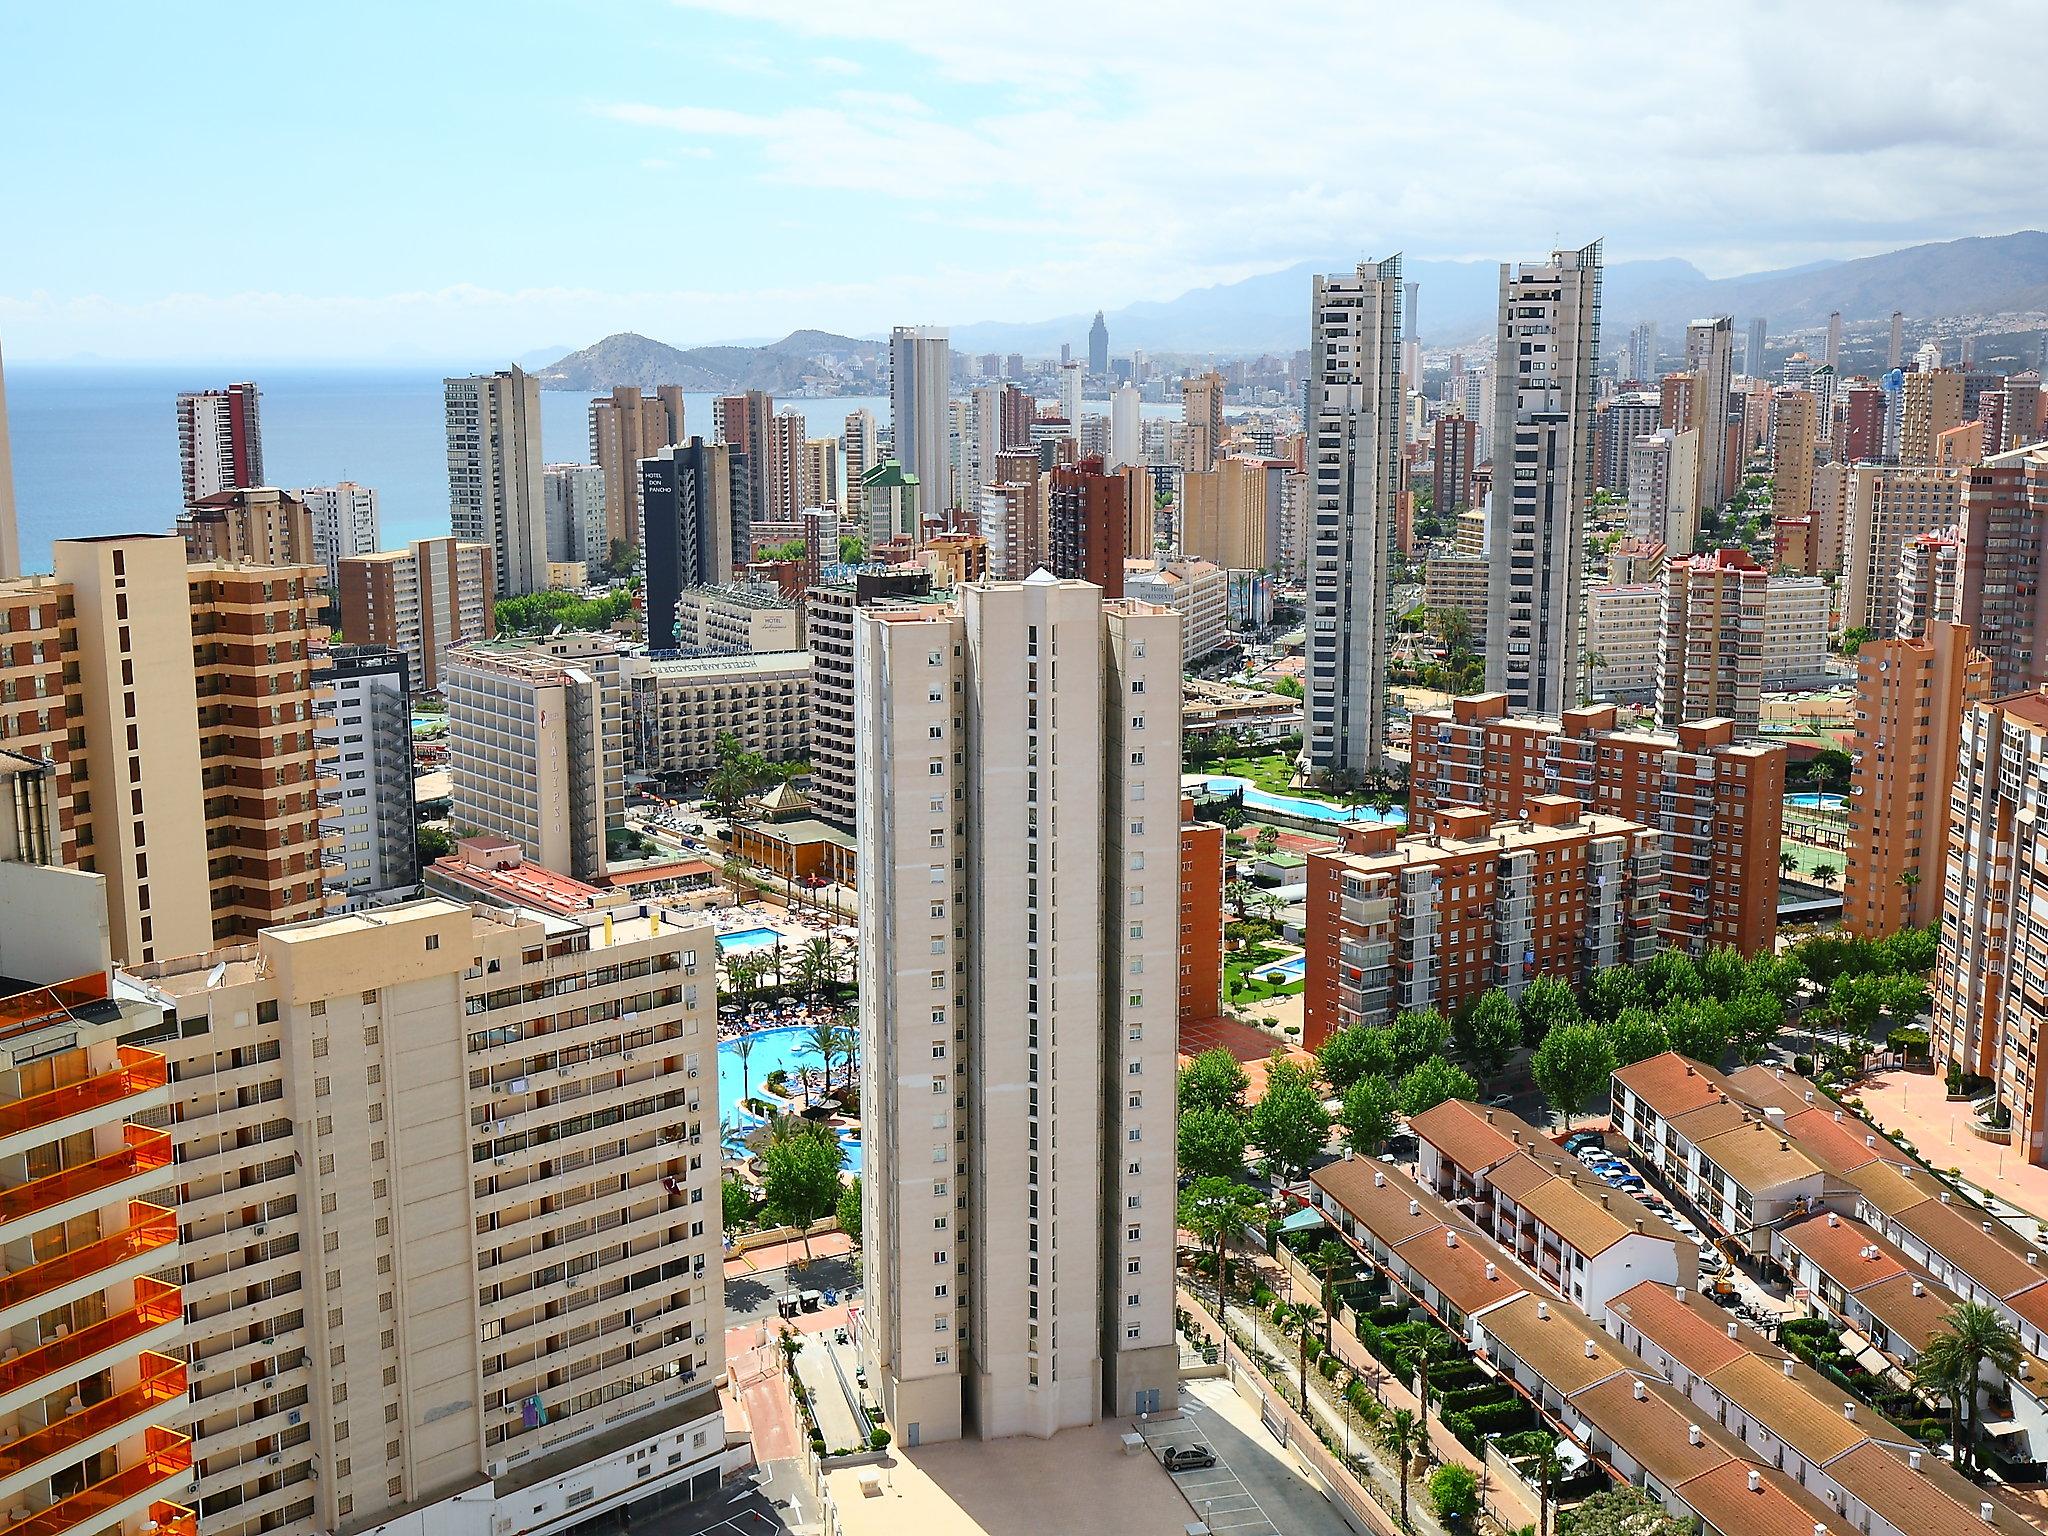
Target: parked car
1188,1458
1579,1141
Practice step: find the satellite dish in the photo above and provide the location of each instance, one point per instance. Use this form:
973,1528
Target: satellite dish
215,976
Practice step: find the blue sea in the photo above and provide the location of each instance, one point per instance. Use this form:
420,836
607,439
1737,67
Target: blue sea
96,448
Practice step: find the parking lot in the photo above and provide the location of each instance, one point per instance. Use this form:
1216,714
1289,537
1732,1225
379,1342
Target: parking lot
1255,1488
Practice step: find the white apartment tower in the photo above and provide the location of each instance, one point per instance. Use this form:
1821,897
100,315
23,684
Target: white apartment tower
220,440
1355,467
1710,357
495,485
344,519
1126,442
362,740
1545,457
1019,914
1070,392
920,372
576,511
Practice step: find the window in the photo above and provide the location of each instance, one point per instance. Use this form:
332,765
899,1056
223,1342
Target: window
942,1324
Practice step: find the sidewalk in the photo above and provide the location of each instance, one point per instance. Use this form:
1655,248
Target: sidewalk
826,1245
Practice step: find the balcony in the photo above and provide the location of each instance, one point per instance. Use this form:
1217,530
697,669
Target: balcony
107,1421
154,1320
139,1246
116,1499
147,1151
63,1111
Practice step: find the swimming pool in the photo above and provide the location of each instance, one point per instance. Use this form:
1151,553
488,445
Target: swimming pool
749,938
1813,800
771,1048
1293,805
1293,968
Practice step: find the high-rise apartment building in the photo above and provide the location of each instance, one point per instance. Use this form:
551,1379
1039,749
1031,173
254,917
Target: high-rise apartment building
10,529
1202,863
818,483
537,746
220,440
1126,440
1795,438
262,526
1832,353
1232,514
1086,520
1019,947
920,376
744,426
1544,460
1201,410
860,448
93,1385
1397,923
362,741
1991,950
1622,419
496,486
1710,358
2000,594
576,512
1710,640
1797,611
783,484
1929,567
893,503
182,699
1717,801
1642,353
1887,509
1663,487
344,518
1753,348
831,611
1931,404
626,427
1098,345
696,527
1859,431
1454,451
1195,589
1911,697
1622,628
1070,393
449,1246
1013,518
1896,352
420,601
1353,421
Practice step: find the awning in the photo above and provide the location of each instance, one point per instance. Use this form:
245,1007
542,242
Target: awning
1307,1219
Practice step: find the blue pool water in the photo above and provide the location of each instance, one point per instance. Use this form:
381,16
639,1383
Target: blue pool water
1294,968
1813,800
748,938
772,1048
1291,805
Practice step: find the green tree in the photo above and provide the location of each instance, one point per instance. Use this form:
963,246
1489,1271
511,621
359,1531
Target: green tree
737,1201
817,967
1825,874
1487,1033
1403,1440
1624,1511
432,843
1612,990
1669,976
1267,840
1352,1053
738,774
1636,1034
823,1038
1722,971
852,548
848,1210
1572,1066
1454,1493
1971,1337
1300,1319
1367,1116
1211,1143
1419,1033
1545,1003
1213,1080
1698,1029
1289,1124
801,1179
1431,1083
1219,1212
1754,1018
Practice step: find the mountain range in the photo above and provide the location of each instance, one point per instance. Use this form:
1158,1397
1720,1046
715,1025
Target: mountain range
1983,275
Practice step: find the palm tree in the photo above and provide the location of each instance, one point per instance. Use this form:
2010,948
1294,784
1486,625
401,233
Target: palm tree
1909,881
849,1049
1433,1346
1787,863
745,1048
1972,1337
1300,1320
822,1040
1401,1438
1330,1256
1826,874
1547,1469
1238,893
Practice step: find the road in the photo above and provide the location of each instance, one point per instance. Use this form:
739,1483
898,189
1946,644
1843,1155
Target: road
1256,1488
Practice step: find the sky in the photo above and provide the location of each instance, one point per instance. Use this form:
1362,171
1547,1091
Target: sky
387,182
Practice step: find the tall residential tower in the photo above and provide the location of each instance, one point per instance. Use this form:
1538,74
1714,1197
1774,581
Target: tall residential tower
496,490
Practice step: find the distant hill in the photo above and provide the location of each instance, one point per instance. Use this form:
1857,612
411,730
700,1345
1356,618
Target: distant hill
1269,313
817,360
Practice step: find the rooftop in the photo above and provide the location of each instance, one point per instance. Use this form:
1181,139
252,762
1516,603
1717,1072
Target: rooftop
743,664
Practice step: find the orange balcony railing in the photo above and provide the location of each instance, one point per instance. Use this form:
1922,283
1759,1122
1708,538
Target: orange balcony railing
163,1380
19,1010
139,1072
168,1519
156,1305
146,1151
168,1455
149,1228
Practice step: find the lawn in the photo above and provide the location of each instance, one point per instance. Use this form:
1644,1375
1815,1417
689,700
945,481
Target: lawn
1809,858
1270,772
1244,980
